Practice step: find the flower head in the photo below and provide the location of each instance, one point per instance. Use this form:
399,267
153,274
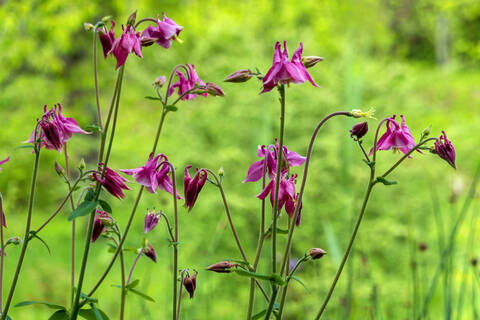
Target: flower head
185,84
151,221
444,148
107,38
316,253
286,191
99,225
149,251
397,137
163,33
359,130
190,283
128,42
284,71
193,186
222,267
111,181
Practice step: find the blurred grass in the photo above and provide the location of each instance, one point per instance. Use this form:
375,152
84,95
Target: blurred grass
377,54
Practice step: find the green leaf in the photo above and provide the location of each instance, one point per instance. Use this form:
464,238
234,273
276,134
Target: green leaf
48,304
93,314
105,206
133,284
59,315
273,278
30,146
90,195
299,281
93,128
171,108
86,207
117,286
141,294
279,231
385,181
152,98
34,235
259,315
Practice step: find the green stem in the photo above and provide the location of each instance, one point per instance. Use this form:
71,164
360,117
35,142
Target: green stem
180,295
273,298
95,75
123,295
27,233
72,272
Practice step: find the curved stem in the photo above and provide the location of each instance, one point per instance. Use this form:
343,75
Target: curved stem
170,78
26,236
376,139
144,20
172,238
140,252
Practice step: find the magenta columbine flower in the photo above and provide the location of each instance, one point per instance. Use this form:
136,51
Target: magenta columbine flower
190,283
112,181
151,221
284,71
397,137
107,38
149,251
99,224
290,207
55,129
128,42
192,187
269,154
286,191
163,33
444,148
153,175
185,84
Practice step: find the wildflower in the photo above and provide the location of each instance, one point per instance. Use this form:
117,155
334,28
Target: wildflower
222,267
128,42
316,253
192,187
149,251
284,71
286,191
359,130
186,84
310,61
190,283
159,82
99,225
107,38
111,181
397,137
445,150
239,76
151,221
163,33
4,161
290,208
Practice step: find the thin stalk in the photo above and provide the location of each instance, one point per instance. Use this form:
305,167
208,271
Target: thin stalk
123,294
180,295
27,233
140,252
95,75
2,253
72,272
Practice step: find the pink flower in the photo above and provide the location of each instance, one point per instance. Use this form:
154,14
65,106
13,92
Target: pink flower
107,39
444,148
128,42
101,217
286,191
192,187
112,181
284,71
397,137
163,33
151,221
149,251
183,84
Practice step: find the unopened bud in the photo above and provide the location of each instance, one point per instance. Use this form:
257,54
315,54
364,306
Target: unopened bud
149,251
310,61
131,20
422,247
222,267
190,283
239,76
474,262
159,82
88,26
316,253
221,172
359,130
426,131
82,165
106,19
58,168
214,90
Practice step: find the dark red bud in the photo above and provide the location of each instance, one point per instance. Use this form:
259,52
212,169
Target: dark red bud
190,284
316,253
359,130
222,267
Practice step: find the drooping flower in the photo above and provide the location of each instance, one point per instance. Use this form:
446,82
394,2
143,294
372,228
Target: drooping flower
99,224
111,181
128,42
316,253
397,137
190,283
222,267
153,175
107,38
163,33
290,208
151,221
185,84
286,191
55,129
149,251
284,71
359,130
444,148
193,186
239,76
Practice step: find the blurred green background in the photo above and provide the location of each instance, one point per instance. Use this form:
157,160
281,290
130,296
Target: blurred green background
417,58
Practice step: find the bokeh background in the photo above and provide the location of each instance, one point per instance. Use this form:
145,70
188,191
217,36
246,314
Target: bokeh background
416,58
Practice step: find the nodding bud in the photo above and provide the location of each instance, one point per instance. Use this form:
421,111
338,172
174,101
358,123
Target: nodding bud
214,90
151,221
58,168
359,130
474,262
149,251
316,253
222,267
82,165
445,150
159,82
99,224
221,172
88,26
310,61
131,20
239,76
190,283
422,246
426,131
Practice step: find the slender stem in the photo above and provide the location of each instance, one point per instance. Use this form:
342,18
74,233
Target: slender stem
95,75
144,20
27,233
123,295
180,295
374,149
2,252
140,252
271,305
359,142
72,272
172,238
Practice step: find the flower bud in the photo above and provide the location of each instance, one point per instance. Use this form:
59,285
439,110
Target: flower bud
58,169
82,165
159,82
222,267
239,76
88,26
422,246
151,221
316,253
101,217
426,131
310,61
359,130
190,283
474,262
106,19
149,251
221,172
444,148
214,90
132,18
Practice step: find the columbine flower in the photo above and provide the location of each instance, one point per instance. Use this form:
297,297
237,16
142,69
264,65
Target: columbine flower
151,221
444,148
192,187
163,33
286,191
290,207
149,251
55,129
316,253
112,181
222,267
128,42
3,161
397,137
290,159
99,225
239,76
107,39
359,130
284,71
152,175
183,84
190,283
